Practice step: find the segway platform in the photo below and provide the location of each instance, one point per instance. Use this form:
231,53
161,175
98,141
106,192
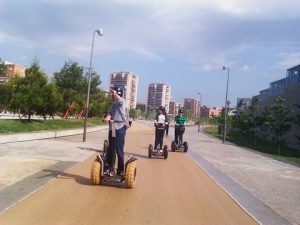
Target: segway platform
99,175
181,146
153,152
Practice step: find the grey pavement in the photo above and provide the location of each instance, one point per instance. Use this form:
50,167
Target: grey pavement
266,188
26,166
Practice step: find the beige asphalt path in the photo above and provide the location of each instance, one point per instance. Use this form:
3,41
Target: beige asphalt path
172,191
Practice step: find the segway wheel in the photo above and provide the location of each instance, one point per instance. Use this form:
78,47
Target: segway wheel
105,146
130,175
173,146
150,151
185,146
165,152
96,172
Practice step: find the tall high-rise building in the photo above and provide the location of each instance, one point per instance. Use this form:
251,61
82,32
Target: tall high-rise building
158,95
192,105
129,82
174,108
11,71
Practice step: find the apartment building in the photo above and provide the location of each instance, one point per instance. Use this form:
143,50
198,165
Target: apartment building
192,105
129,82
11,71
158,95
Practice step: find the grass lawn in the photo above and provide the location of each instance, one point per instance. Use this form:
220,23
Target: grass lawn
14,126
286,153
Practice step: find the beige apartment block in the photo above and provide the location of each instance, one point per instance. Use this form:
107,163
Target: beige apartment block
129,82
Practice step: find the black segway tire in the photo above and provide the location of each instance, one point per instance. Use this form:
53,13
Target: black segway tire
150,151
105,146
96,172
130,175
185,146
165,151
173,146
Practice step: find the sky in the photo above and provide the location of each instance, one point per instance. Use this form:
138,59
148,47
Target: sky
183,43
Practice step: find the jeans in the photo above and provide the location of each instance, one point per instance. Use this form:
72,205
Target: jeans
116,145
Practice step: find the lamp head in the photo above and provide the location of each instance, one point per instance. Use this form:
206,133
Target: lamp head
225,67
99,32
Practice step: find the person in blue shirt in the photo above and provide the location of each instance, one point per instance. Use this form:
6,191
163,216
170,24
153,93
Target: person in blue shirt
117,128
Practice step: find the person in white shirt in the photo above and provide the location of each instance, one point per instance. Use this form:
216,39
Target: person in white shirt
160,122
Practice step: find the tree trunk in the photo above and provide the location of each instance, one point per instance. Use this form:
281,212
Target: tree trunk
29,114
279,142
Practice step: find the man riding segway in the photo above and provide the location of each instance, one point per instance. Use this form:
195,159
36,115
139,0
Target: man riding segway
103,166
179,131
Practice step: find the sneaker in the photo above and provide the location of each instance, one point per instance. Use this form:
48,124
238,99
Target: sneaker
112,173
106,172
120,173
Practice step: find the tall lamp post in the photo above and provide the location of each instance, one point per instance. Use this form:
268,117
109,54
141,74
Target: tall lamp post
225,67
100,33
200,101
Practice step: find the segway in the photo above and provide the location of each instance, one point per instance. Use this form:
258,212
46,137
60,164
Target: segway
161,150
100,172
105,146
183,146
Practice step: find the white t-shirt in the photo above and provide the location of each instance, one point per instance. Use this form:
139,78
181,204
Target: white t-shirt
161,118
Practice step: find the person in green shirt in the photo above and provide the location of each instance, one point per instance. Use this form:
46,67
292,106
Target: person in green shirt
179,126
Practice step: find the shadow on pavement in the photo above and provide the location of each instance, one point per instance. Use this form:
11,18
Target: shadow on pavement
137,155
89,149
63,175
81,180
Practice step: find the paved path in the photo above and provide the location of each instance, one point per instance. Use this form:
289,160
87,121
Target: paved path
273,183
172,191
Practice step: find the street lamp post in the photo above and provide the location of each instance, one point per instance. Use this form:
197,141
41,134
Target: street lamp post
225,67
100,33
200,100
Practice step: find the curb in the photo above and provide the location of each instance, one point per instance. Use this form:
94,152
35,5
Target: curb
8,138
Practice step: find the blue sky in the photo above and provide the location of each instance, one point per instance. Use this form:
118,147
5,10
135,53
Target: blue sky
182,43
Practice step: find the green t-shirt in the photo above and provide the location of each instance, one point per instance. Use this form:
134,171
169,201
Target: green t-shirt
179,120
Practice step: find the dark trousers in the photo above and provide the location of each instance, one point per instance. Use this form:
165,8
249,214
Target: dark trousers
179,131
159,137
167,129
116,145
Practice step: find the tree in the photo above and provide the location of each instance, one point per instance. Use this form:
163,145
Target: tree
280,120
31,88
133,113
99,103
253,108
2,68
264,121
72,82
297,121
243,122
52,101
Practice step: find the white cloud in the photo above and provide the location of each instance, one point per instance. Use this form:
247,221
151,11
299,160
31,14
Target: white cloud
288,60
147,54
207,34
247,68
